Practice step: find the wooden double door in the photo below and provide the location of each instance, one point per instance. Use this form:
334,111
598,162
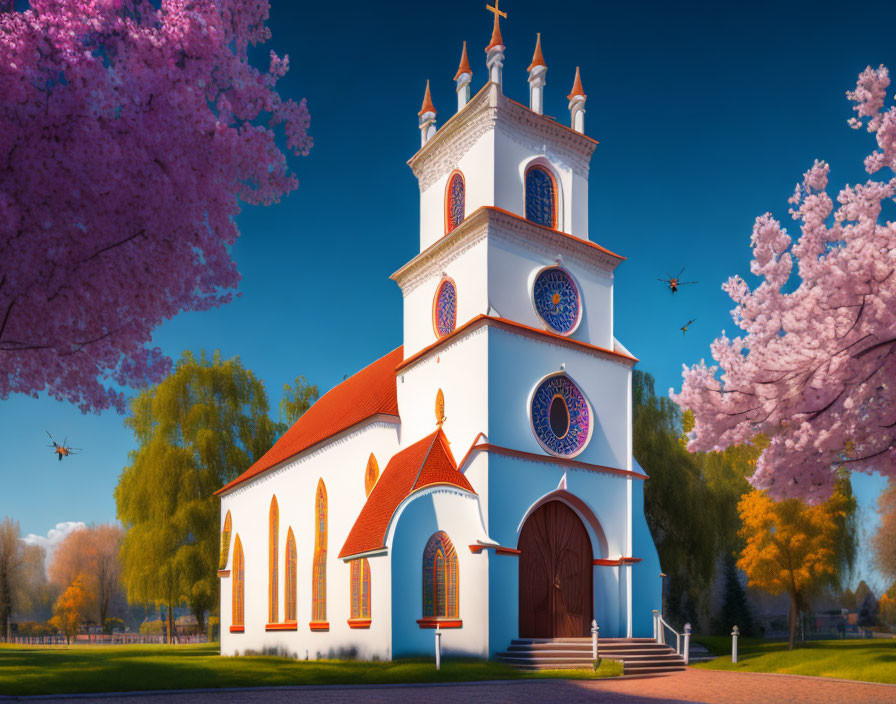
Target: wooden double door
556,574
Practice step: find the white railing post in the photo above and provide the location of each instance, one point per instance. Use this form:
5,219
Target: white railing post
656,626
594,630
734,634
438,648
687,643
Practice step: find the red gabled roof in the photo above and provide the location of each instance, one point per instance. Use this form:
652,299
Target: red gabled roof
428,461
368,393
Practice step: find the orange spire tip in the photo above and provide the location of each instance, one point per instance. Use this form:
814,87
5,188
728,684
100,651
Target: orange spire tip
464,64
496,40
537,57
427,102
577,90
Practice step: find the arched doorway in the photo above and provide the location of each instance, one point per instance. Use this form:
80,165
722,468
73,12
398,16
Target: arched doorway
555,574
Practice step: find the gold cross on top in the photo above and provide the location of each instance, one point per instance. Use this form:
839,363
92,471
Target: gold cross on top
496,10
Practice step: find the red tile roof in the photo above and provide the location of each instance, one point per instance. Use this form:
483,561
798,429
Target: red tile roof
368,393
425,463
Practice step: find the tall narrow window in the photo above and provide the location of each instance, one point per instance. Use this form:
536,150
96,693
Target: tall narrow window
440,577
454,201
273,572
238,585
319,571
225,543
541,197
291,573
360,590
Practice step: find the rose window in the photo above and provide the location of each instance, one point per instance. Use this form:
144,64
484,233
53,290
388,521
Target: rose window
556,300
561,417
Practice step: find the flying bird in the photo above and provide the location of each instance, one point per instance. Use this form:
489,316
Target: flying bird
673,282
62,450
684,328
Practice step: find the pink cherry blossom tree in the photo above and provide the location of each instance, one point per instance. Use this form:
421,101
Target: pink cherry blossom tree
129,134
815,367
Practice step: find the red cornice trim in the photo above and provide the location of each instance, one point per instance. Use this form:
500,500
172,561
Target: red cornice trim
358,623
319,625
514,327
237,629
550,459
284,626
617,562
499,550
223,573
440,623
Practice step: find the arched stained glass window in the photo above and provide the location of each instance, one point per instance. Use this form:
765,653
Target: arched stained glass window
319,570
238,584
541,197
360,589
444,307
371,474
454,201
273,572
225,542
440,578
291,576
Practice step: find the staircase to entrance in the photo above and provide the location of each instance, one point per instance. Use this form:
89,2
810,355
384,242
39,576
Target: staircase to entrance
640,656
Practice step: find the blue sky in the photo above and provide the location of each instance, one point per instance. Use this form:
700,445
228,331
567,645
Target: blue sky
707,115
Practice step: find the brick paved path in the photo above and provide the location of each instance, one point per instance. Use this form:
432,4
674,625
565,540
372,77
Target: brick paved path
707,686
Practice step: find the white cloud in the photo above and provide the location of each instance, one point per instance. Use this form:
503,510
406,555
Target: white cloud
54,536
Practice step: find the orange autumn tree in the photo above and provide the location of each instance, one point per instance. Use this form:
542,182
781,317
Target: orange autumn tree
70,607
794,548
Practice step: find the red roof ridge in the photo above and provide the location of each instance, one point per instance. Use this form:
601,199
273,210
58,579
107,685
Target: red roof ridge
368,393
427,462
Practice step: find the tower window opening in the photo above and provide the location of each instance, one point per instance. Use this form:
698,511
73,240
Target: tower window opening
541,197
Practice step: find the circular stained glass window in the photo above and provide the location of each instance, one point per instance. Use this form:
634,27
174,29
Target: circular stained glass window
445,308
561,417
556,298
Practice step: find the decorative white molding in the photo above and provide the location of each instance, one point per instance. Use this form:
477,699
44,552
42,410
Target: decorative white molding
490,222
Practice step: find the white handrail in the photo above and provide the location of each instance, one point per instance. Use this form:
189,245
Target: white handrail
659,635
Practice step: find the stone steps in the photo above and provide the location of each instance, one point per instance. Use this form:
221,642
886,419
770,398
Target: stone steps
640,656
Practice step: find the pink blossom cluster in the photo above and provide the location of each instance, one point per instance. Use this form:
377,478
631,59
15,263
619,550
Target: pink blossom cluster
128,136
815,367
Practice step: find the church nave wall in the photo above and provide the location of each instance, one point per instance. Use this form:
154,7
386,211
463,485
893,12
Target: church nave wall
341,464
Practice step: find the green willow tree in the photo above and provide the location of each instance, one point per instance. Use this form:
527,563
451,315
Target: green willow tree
297,398
196,430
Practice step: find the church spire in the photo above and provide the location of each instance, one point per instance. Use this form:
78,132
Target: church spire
577,104
463,77
427,116
537,70
494,59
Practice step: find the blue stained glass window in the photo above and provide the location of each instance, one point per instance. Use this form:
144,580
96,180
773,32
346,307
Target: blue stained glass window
556,299
445,313
455,202
559,432
540,197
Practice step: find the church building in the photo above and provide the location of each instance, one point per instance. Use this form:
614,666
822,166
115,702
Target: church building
479,477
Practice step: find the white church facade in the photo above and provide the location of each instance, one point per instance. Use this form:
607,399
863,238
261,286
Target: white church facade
479,478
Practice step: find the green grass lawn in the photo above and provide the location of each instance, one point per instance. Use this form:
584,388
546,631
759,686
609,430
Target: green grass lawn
872,660
28,670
